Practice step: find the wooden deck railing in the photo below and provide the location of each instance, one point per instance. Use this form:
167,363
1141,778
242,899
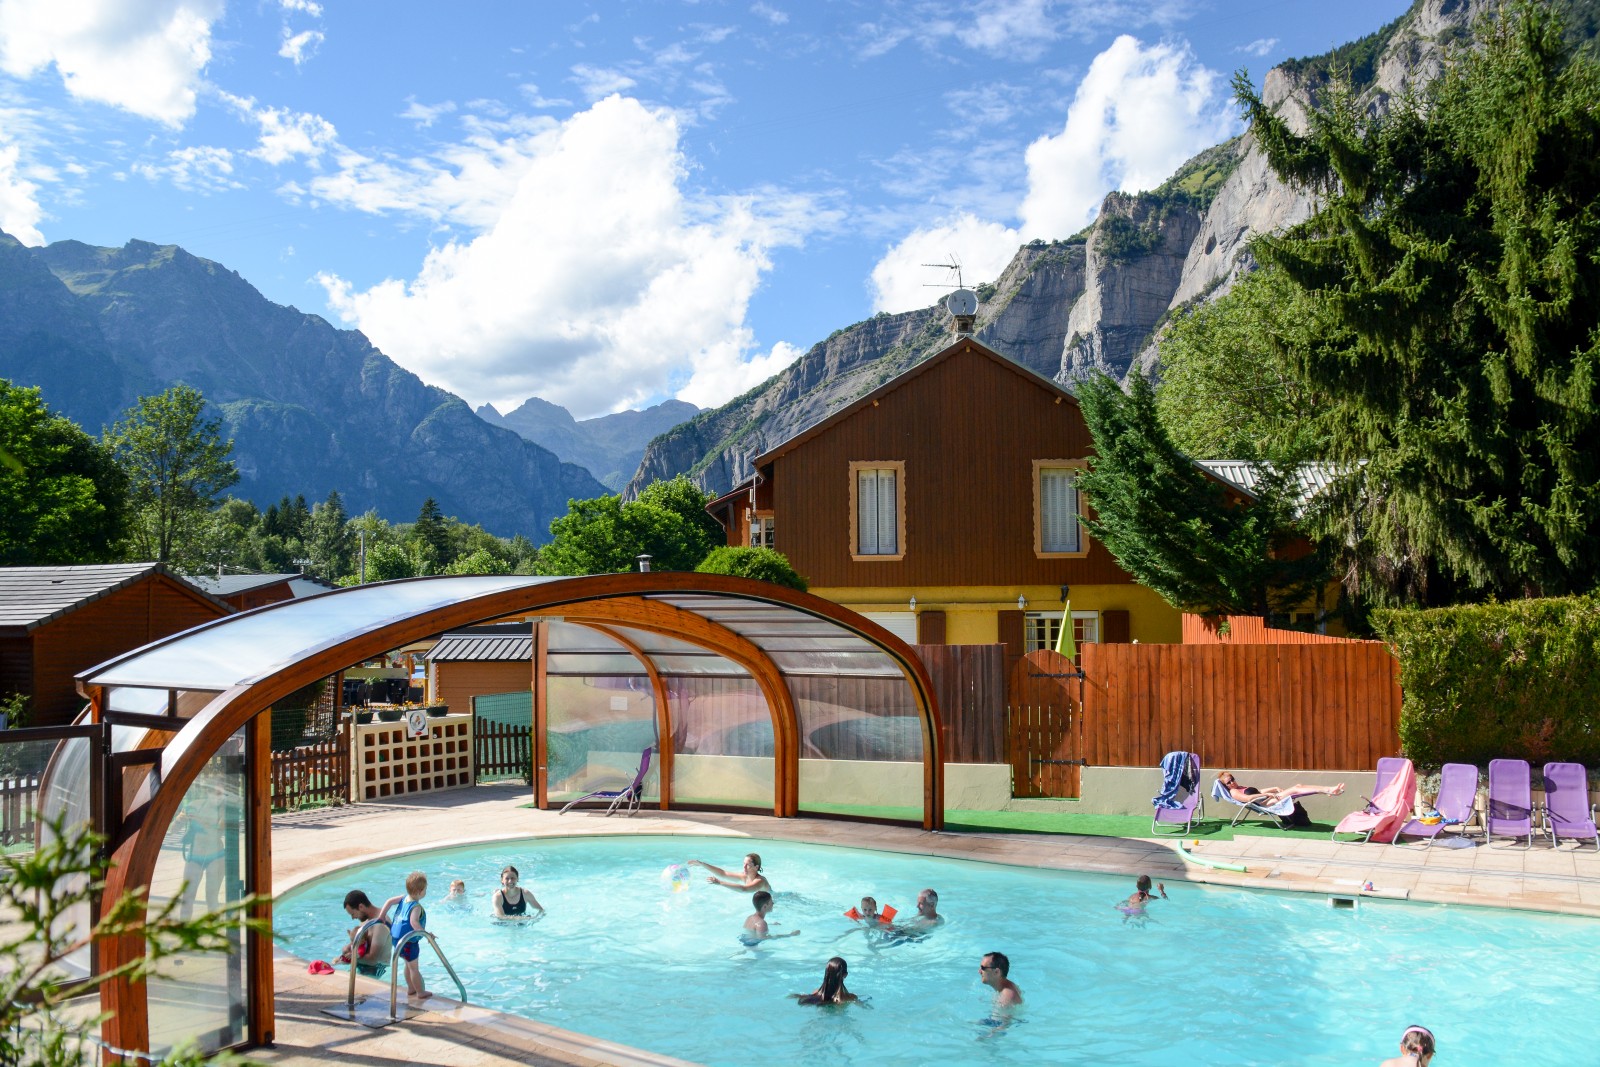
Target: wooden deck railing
19,804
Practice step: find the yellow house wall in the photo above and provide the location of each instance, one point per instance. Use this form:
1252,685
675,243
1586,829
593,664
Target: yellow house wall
971,612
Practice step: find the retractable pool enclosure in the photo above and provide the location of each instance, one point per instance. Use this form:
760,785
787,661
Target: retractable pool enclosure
747,695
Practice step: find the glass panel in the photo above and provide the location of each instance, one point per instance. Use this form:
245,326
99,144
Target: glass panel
841,663
64,792
201,995
593,663
570,637
654,643
597,726
722,742
707,664
860,746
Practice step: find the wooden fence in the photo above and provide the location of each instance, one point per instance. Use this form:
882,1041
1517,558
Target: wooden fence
969,684
1323,706
19,803
501,749
316,773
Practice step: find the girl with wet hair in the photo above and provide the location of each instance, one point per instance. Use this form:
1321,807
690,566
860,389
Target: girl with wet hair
1416,1048
832,990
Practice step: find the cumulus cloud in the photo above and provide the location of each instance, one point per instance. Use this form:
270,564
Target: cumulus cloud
20,213
285,135
900,281
1138,113
594,281
144,56
299,47
770,13
1258,47
197,169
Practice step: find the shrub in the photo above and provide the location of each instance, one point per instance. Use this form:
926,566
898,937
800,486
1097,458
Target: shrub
1518,680
763,564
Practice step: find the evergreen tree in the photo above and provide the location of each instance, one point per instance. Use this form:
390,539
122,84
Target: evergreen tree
1454,250
331,544
432,537
62,496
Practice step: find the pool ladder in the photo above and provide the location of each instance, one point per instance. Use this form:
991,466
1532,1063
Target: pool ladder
394,968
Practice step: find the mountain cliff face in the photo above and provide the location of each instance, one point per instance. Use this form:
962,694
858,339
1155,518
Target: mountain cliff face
310,408
1093,302
609,447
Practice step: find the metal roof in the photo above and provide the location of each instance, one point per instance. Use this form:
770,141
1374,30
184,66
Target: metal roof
33,596
1243,475
232,584
457,648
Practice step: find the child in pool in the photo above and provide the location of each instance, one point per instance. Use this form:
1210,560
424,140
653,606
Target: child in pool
1134,906
410,916
457,897
867,920
1416,1048
755,927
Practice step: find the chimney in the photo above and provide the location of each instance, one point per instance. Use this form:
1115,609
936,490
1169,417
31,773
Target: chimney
644,563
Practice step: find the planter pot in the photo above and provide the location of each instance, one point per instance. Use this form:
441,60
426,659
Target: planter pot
439,711
391,714
363,717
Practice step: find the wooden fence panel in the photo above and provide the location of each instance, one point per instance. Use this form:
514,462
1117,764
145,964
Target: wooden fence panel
313,773
970,685
19,803
502,749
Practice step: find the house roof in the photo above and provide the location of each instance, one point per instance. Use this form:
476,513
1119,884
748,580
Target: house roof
234,584
30,597
456,648
960,345
1244,476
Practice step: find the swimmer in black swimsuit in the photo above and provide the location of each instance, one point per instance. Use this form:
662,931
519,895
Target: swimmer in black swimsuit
511,901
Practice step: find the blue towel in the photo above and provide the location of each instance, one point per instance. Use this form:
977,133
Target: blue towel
1174,775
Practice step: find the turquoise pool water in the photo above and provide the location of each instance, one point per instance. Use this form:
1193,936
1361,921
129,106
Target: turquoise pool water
1215,976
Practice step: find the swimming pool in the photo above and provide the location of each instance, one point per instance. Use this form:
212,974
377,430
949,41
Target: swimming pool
1215,976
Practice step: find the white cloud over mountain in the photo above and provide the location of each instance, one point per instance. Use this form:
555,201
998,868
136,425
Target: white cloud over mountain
143,56
594,281
900,281
20,213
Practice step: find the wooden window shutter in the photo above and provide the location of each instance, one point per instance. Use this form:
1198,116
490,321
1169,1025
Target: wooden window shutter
1114,628
930,628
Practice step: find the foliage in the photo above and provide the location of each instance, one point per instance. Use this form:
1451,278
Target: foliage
1226,390
1518,680
386,562
177,467
39,892
331,544
430,535
1355,61
1198,180
1173,528
762,564
1453,250
481,561
605,536
62,497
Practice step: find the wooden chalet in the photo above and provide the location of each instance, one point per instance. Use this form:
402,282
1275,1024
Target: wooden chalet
245,591
58,621
943,506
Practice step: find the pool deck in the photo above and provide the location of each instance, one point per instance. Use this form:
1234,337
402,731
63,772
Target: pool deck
306,844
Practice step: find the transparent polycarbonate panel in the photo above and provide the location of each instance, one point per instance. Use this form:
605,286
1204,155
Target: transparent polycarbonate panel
597,727
653,643
837,642
155,701
860,746
860,664
63,804
570,637
722,742
202,995
706,664
584,663
241,648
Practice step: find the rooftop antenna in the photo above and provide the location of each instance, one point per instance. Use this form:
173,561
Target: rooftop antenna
963,302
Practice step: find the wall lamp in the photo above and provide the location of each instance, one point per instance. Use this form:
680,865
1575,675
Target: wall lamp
913,602
1022,602
1066,591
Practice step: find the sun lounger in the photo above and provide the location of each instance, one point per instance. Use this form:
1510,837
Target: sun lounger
1278,812
1190,807
627,798
1457,799
1568,810
1509,811
1388,809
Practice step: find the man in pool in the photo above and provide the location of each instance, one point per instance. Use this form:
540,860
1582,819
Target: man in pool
375,946
755,927
994,970
927,912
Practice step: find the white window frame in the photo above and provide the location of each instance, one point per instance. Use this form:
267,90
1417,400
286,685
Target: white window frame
879,467
1041,628
1040,468
762,526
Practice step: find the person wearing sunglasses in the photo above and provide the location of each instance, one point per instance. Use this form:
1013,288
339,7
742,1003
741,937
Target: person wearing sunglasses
994,970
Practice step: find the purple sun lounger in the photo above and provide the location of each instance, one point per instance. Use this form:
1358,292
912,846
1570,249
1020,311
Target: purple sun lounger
1509,812
1567,808
626,798
1190,808
1458,795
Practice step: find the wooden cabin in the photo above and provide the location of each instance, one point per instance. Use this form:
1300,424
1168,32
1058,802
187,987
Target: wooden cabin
58,621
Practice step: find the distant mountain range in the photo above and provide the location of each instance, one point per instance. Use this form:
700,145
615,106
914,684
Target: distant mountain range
609,447
310,408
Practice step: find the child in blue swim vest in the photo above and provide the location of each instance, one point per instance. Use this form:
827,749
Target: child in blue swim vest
410,916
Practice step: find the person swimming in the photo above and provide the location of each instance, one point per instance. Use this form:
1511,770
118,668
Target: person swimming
511,901
1134,906
832,990
753,879
755,926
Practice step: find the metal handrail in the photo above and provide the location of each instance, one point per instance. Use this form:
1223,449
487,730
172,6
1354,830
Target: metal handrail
394,969
353,956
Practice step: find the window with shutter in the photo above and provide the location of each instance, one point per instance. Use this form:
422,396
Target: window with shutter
877,511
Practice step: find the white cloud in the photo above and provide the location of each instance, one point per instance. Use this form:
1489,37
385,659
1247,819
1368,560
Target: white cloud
285,135
1012,29
770,13
308,7
901,281
20,213
144,56
596,83
1258,47
299,47
426,114
1139,112
594,281
198,169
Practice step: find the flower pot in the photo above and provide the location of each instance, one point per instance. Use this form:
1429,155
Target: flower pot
363,717
438,711
391,714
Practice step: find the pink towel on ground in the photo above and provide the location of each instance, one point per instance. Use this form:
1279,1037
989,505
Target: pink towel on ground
1393,806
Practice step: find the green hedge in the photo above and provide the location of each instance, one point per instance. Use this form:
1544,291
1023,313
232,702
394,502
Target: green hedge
1518,680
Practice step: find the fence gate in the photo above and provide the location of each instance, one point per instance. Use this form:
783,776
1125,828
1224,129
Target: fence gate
1044,726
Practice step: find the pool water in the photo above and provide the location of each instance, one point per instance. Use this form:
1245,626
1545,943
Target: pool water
1213,976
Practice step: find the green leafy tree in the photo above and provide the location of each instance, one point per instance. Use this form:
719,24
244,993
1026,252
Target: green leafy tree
177,466
39,892
683,498
387,561
1174,528
62,497
1453,250
591,538
605,536
481,561
763,564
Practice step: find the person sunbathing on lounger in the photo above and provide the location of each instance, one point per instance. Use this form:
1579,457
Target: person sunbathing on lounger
1249,794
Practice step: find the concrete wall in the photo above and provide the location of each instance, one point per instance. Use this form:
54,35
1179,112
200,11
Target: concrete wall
1128,791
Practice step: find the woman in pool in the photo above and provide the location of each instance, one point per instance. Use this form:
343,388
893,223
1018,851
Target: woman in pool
832,990
752,877
511,901
1416,1048
1272,794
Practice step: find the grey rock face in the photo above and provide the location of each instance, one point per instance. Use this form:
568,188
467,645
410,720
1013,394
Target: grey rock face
609,446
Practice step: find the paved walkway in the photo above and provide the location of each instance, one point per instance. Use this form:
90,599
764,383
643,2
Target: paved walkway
307,844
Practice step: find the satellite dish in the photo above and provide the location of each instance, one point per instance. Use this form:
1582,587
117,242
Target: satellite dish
962,302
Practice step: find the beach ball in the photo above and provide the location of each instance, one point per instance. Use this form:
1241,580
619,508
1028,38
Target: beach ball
676,877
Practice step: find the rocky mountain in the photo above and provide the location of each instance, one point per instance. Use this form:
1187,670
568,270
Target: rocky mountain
1094,301
310,408
609,447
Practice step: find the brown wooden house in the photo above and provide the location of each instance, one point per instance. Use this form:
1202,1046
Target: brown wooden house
245,591
480,661
944,506
57,621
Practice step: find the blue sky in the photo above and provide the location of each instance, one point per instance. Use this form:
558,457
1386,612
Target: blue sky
607,204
